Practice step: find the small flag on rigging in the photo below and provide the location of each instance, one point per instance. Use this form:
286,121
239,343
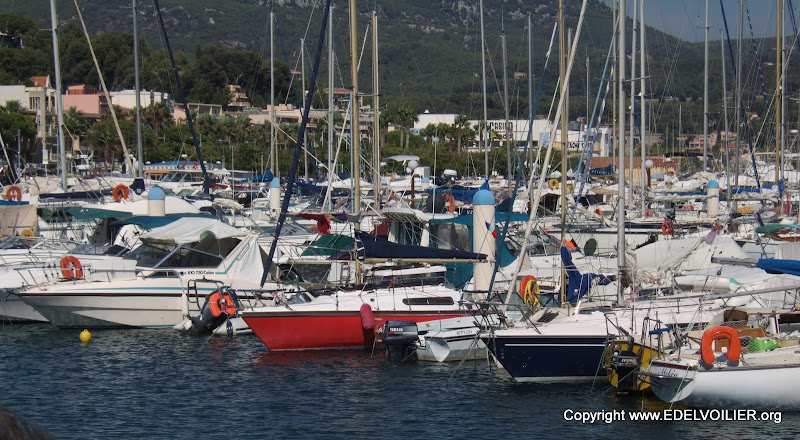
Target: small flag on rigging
491,229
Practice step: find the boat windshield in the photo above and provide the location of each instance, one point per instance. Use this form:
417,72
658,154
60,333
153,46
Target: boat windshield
148,254
183,176
184,257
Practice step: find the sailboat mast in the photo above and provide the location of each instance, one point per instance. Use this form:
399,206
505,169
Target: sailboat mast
738,97
59,99
705,99
564,140
506,131
530,103
376,137
303,88
633,101
778,100
355,131
485,128
139,154
273,146
725,112
330,109
642,107
621,141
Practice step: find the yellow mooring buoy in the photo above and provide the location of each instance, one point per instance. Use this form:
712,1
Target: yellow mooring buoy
86,336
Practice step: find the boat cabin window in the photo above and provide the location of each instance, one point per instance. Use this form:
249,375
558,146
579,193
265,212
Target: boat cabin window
429,301
185,256
450,236
19,242
407,233
148,254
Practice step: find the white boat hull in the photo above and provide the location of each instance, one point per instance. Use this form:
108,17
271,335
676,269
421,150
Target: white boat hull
13,309
757,387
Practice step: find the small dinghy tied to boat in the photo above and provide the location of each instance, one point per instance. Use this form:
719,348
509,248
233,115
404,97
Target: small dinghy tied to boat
220,306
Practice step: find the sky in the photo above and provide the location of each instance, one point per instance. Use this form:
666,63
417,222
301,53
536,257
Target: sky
686,18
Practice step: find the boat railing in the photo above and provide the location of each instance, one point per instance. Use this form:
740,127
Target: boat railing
495,315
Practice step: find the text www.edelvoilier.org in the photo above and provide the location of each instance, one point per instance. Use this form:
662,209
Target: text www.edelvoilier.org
621,415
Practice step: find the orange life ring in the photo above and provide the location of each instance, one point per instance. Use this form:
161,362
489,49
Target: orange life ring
221,302
688,207
451,202
14,193
599,212
121,192
667,228
647,213
524,283
529,290
720,332
71,268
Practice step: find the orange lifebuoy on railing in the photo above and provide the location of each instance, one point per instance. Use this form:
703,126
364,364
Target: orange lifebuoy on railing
720,332
121,192
451,202
599,212
71,268
221,302
529,290
14,193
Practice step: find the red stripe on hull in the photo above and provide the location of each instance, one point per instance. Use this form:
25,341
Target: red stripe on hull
284,331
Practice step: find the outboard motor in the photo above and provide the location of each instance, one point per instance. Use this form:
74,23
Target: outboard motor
219,306
624,363
400,339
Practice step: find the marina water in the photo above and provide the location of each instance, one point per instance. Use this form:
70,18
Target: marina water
164,384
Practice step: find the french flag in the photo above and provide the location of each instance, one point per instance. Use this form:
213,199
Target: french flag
491,229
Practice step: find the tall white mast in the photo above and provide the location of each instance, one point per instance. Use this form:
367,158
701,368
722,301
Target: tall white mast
139,154
59,104
376,142
633,100
705,100
303,99
621,141
273,137
642,108
485,129
355,130
330,109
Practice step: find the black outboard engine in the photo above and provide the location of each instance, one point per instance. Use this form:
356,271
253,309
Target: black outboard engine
220,305
624,363
400,339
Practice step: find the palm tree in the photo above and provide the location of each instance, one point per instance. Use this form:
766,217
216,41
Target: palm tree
407,117
12,106
157,116
76,124
461,123
429,132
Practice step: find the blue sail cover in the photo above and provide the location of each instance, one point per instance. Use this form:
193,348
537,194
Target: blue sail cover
464,195
310,188
604,171
774,265
375,246
266,177
579,284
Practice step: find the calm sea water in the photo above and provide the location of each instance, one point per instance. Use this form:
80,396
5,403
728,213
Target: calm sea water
162,384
